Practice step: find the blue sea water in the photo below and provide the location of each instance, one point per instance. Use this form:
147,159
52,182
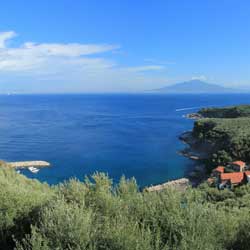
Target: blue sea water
131,135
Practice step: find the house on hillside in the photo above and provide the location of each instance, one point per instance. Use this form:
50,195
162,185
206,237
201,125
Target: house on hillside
218,171
228,180
238,166
234,174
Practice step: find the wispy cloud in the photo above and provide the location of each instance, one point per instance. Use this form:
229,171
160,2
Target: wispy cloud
31,56
159,62
87,65
4,36
201,78
145,68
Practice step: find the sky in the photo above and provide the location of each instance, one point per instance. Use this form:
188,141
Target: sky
122,45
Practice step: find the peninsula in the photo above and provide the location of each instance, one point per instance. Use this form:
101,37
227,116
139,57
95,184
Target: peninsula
220,138
27,164
222,134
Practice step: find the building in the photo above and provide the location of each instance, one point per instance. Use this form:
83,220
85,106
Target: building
238,166
223,177
229,180
218,171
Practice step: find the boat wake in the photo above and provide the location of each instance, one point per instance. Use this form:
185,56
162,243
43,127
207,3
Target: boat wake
183,109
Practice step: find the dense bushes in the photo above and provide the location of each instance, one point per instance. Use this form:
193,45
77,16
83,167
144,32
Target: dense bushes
223,134
97,215
20,199
226,112
227,139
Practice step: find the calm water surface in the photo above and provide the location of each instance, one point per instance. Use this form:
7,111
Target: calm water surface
134,135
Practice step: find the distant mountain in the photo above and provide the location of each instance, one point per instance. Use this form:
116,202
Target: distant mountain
196,87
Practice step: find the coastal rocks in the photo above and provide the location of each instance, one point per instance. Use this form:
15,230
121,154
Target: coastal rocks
189,154
198,152
194,153
187,137
194,150
194,116
179,184
27,164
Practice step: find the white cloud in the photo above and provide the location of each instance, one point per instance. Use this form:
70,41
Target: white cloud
201,78
70,50
70,66
145,68
31,56
4,36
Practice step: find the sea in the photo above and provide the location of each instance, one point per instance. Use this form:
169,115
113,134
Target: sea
135,135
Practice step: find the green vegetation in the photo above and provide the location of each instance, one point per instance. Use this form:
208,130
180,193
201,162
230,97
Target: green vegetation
97,215
226,133
226,112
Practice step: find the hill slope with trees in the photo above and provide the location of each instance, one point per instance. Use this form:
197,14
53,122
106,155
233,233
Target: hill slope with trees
97,215
225,132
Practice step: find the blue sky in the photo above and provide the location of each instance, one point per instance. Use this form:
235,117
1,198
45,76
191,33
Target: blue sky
106,46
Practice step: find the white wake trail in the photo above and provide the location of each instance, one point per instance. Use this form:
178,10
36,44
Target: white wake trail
182,109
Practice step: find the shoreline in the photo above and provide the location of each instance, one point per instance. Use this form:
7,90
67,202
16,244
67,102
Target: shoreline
196,152
198,174
180,184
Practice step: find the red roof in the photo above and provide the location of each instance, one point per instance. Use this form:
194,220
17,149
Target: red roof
235,178
239,163
219,169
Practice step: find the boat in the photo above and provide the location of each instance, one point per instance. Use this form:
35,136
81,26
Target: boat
33,170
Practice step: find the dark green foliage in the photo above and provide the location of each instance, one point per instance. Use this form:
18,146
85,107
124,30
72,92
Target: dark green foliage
226,112
97,215
224,133
243,235
20,199
226,139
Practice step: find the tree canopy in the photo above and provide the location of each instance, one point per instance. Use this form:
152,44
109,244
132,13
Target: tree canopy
226,132
96,214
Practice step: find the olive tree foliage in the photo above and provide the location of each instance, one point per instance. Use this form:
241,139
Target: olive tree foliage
97,214
20,200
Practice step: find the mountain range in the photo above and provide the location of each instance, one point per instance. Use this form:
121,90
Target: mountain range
196,87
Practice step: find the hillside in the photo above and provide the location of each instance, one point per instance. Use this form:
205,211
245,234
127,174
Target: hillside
226,112
97,215
195,87
225,132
